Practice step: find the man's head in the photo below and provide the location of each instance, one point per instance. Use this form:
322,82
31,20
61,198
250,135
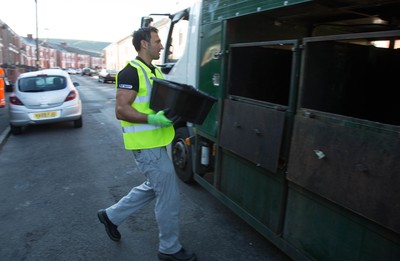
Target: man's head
147,42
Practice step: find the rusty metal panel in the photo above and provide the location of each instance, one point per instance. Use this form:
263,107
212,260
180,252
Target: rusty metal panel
253,132
354,165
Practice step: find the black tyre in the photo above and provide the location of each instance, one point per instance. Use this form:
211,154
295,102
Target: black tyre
15,130
78,123
182,156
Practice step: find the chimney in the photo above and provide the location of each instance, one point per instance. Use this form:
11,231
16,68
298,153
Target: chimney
30,36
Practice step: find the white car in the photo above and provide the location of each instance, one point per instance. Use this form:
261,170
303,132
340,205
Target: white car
71,71
44,96
106,75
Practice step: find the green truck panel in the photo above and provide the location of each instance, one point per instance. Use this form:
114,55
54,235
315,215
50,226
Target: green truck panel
322,183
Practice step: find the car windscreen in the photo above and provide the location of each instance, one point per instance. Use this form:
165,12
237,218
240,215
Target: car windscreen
42,83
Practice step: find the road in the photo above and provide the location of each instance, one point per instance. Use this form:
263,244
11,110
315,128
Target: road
54,178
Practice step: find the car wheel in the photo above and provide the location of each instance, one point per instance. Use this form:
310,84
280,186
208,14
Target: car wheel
182,156
15,130
78,123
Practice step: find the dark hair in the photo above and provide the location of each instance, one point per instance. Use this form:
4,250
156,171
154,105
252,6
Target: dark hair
142,34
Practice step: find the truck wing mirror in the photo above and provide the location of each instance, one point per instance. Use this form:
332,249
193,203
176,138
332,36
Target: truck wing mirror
146,21
178,16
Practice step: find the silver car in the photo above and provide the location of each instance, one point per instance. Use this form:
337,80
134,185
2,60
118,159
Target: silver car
44,96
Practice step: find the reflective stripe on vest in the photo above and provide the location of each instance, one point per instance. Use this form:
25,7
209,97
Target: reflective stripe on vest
139,128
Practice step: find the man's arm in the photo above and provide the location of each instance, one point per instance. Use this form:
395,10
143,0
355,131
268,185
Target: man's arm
124,110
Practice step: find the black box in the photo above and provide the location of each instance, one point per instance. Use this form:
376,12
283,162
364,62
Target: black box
180,100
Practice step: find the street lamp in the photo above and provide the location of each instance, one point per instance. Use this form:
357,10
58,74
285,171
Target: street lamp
37,38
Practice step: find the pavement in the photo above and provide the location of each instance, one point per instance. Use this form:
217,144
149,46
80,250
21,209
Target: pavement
4,124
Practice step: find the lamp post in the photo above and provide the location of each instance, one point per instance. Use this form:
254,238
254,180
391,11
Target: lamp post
37,38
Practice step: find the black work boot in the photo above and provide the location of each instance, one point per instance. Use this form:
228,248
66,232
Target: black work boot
181,255
111,229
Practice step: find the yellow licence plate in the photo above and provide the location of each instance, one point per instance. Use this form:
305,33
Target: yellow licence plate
47,114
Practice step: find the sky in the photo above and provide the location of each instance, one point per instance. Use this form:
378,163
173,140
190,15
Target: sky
93,20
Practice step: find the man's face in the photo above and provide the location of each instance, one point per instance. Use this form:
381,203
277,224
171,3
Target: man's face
155,46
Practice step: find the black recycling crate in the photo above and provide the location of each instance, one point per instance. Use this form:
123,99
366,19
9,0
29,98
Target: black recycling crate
180,101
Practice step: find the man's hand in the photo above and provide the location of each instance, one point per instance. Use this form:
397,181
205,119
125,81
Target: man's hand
159,119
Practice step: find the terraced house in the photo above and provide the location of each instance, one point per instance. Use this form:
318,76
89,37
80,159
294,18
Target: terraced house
19,54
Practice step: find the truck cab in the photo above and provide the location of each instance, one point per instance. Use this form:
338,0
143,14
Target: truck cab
179,63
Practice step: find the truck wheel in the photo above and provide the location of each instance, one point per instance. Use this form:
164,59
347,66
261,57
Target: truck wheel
182,156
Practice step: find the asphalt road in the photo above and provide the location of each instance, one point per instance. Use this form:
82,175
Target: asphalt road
54,178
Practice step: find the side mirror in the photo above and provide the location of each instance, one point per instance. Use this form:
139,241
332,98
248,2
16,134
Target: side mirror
76,84
146,21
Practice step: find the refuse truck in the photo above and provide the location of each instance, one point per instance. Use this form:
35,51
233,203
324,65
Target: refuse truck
303,139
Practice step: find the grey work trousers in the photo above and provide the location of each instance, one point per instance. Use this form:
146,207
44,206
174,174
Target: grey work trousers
161,184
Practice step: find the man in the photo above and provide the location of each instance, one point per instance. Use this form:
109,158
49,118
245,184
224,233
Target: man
2,89
147,134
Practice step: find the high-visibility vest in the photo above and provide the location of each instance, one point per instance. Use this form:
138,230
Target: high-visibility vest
139,135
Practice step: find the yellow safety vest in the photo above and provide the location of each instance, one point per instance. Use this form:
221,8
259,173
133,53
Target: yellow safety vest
141,135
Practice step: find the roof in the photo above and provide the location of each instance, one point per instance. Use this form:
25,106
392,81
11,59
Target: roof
60,47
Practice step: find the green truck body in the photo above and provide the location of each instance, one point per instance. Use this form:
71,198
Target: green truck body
304,141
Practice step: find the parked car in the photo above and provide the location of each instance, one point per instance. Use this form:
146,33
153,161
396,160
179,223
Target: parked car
88,72
71,71
106,75
44,96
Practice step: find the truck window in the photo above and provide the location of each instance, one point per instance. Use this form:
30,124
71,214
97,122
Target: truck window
178,41
353,78
261,72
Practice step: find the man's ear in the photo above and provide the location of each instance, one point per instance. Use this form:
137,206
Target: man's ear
144,44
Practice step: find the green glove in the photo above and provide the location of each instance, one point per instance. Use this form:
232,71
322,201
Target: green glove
159,119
